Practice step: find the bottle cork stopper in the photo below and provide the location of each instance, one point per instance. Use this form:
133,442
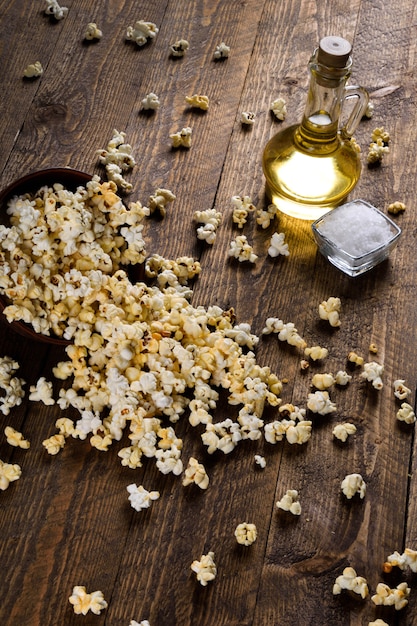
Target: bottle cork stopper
334,51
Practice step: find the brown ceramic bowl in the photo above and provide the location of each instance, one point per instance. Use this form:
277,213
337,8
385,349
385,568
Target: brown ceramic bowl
71,179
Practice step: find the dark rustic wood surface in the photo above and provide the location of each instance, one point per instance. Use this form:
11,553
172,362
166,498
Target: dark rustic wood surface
67,521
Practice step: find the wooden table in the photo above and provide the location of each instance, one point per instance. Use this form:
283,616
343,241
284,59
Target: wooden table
67,521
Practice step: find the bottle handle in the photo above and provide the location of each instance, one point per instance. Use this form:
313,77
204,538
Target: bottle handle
358,111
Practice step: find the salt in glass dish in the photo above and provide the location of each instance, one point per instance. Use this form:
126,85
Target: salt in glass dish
355,236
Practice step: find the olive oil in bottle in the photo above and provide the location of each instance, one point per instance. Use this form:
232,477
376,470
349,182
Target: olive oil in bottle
311,167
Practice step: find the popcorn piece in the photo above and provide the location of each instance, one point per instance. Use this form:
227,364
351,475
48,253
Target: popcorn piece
53,8
150,102
355,358
396,207
403,561
406,413
196,473
117,158
380,133
42,392
159,200
400,390
142,623
319,402
277,245
264,218
373,348
377,150
198,102
141,32
247,118
242,206
260,460
350,581
54,444
342,431
182,139
353,484
342,378
222,51
10,384
8,474
397,597
211,220
15,438
290,502
369,114
329,310
140,498
279,108
241,250
179,48
33,70
323,381
84,602
286,332
246,534
205,568
316,353
92,32
373,373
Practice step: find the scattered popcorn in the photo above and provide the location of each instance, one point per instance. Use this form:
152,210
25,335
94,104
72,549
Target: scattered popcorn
329,310
84,602
277,245
247,118
380,133
142,623
396,207
408,559
400,390
10,384
290,502
342,431
353,484
182,139
369,112
279,108
222,51
294,431
373,373
264,218
179,48
246,534
373,348
33,70
323,381
205,568
141,32
286,332
406,413
242,206
198,102
8,474
159,200
241,250
319,402
117,158
196,473
342,378
260,460
376,152
397,597
54,444
304,364
53,8
355,358
140,498
210,220
316,353
350,581
150,102
92,32
16,439
42,392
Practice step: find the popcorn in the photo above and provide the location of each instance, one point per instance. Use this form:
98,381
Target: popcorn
205,568
210,220
140,498
222,51
179,48
241,250
406,413
264,218
246,534
380,133
53,8
372,373
117,158
42,392
198,101
54,444
290,502
369,114
84,602
247,118
182,138
196,473
279,108
159,200
329,310
355,358
350,581
150,102
8,474
92,32
323,381
396,207
260,460
286,332
15,438
400,390
353,484
141,32
342,431
320,402
316,353
142,623
277,245
33,70
342,378
397,597
377,150
242,206
408,559
10,384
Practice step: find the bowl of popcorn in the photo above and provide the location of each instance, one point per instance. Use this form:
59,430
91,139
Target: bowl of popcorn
60,237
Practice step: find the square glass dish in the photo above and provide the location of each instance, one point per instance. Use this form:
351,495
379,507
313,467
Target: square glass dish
355,236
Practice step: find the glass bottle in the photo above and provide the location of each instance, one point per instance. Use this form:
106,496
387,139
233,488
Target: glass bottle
311,167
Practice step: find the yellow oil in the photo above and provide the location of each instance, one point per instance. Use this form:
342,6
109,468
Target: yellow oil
309,169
